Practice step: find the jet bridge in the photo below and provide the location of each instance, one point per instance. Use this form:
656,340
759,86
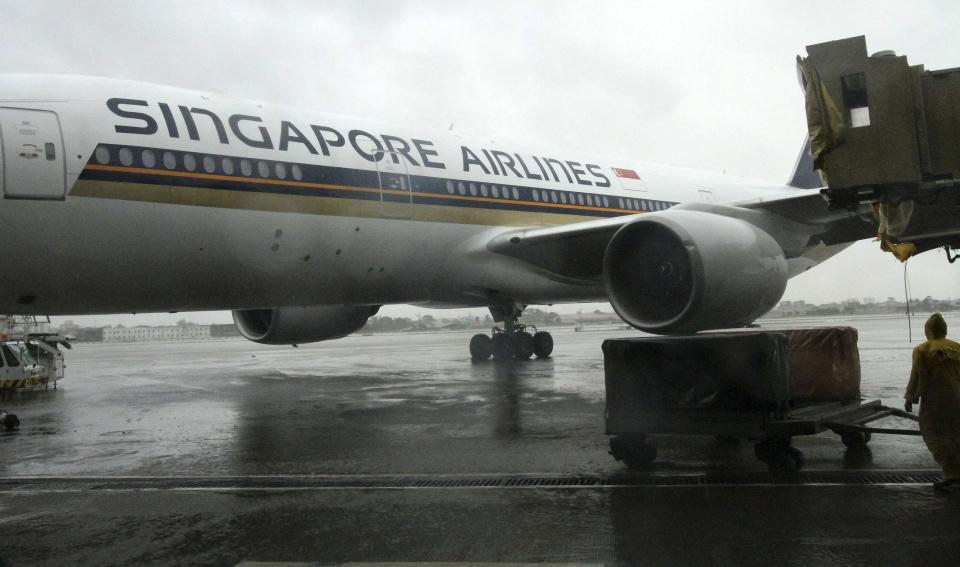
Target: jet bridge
887,133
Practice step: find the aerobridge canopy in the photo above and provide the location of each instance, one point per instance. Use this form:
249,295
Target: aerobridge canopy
885,132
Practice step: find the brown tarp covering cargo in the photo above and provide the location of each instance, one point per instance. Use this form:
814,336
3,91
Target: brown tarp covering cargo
824,364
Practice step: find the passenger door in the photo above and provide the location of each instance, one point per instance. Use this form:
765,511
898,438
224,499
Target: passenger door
32,161
396,196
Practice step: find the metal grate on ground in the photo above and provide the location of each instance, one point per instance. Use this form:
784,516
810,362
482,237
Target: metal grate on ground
442,482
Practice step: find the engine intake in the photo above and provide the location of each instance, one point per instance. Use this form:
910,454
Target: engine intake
300,325
685,271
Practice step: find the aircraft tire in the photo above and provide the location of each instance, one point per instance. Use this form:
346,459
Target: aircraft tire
481,347
542,344
523,345
502,348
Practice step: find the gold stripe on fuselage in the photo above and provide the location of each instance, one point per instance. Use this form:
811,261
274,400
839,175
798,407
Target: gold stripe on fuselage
331,206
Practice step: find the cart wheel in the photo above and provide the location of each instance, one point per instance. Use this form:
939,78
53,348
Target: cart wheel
633,450
797,456
786,461
779,456
855,439
768,449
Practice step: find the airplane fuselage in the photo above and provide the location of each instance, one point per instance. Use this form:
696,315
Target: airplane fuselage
141,197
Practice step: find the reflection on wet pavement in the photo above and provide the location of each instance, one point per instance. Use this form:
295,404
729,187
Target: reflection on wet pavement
415,405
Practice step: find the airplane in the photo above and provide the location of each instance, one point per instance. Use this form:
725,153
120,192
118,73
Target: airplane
121,196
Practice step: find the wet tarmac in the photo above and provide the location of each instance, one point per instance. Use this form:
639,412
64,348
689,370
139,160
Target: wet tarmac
398,449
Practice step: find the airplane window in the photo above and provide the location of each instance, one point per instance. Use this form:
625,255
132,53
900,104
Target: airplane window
461,188
580,198
516,194
148,158
189,162
246,167
263,168
483,189
227,165
590,200
473,189
536,195
209,164
450,188
563,198
297,172
553,197
606,201
620,202
281,170
496,190
102,154
169,160
126,156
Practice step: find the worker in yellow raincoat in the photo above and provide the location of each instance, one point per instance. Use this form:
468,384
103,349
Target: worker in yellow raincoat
935,383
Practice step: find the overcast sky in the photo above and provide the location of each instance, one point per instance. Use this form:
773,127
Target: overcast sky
708,85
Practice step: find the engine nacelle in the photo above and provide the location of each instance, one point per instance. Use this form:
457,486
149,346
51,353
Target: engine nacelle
299,325
686,271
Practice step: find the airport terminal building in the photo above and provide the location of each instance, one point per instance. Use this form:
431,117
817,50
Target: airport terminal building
145,334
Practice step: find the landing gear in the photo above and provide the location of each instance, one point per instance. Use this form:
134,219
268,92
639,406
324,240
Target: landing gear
542,344
512,342
481,347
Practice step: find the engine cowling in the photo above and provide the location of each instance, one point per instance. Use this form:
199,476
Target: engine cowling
300,325
686,271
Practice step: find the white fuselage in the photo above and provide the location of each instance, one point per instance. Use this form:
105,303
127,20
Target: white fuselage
178,200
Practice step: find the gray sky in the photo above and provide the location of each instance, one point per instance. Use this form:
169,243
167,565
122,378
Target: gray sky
708,85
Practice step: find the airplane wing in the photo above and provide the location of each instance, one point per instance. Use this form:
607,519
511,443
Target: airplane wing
798,220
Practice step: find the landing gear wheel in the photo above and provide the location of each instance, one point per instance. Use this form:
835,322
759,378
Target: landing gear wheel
481,347
542,344
523,345
779,456
633,451
502,348
855,439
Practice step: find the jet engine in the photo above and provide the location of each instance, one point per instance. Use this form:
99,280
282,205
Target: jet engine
685,271
298,325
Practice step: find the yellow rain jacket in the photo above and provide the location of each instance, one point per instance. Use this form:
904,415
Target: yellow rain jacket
935,383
